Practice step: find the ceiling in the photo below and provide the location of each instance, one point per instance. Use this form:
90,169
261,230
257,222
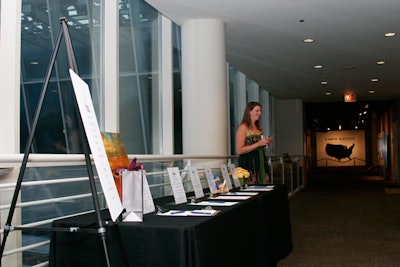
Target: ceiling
264,40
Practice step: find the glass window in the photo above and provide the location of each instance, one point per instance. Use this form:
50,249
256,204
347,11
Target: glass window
56,128
139,67
177,69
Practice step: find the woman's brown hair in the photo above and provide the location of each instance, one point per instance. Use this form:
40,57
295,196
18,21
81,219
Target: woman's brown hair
246,115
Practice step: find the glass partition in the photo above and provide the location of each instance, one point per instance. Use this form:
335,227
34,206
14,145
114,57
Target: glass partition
40,27
139,71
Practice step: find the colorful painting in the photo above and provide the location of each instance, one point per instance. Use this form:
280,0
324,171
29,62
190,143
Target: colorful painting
117,156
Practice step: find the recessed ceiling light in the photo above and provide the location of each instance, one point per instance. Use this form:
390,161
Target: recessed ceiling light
324,82
328,93
372,91
380,62
318,67
390,34
308,40
374,80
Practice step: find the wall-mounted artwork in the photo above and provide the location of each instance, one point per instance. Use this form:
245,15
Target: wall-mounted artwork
341,148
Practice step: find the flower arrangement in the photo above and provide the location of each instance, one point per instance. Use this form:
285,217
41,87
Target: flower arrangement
242,174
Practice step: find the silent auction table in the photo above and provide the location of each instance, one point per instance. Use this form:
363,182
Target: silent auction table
254,232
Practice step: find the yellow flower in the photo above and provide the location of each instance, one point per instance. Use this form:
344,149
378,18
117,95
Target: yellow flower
242,173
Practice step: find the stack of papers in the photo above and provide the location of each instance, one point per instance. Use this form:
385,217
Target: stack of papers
241,194
190,213
214,203
230,197
259,188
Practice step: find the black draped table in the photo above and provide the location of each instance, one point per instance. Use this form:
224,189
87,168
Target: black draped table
255,232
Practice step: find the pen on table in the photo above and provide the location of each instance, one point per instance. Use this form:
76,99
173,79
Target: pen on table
201,212
176,212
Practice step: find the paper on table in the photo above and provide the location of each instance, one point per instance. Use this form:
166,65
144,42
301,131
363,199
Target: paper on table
234,175
190,213
215,203
259,188
177,185
210,180
241,194
148,203
231,197
225,175
194,177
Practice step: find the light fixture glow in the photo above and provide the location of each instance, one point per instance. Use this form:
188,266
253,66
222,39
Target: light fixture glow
318,67
324,82
372,91
308,40
390,34
381,62
350,97
374,80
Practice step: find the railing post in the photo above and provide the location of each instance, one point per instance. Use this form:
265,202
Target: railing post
283,170
271,170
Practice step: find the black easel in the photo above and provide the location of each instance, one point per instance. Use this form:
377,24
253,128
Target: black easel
101,229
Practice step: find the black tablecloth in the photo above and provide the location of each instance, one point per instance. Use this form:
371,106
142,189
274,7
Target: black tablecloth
255,232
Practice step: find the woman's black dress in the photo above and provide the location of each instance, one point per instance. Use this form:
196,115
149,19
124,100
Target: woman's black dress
255,161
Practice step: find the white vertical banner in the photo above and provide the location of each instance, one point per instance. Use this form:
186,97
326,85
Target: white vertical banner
96,145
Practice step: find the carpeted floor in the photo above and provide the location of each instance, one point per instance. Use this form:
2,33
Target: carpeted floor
345,220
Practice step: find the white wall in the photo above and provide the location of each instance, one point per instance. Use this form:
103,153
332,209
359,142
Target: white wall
288,134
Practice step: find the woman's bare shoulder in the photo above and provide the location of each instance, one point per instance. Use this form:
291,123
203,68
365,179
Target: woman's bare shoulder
242,127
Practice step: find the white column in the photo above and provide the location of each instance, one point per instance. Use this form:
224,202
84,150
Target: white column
204,100
110,54
10,58
163,91
167,92
10,51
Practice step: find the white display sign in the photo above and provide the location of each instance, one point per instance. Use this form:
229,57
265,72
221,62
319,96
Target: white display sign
148,205
194,177
225,175
235,178
210,180
177,185
96,145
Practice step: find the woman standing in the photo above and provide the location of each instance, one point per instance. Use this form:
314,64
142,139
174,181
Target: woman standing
250,143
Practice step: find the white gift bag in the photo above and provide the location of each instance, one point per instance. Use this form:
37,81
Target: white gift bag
132,195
